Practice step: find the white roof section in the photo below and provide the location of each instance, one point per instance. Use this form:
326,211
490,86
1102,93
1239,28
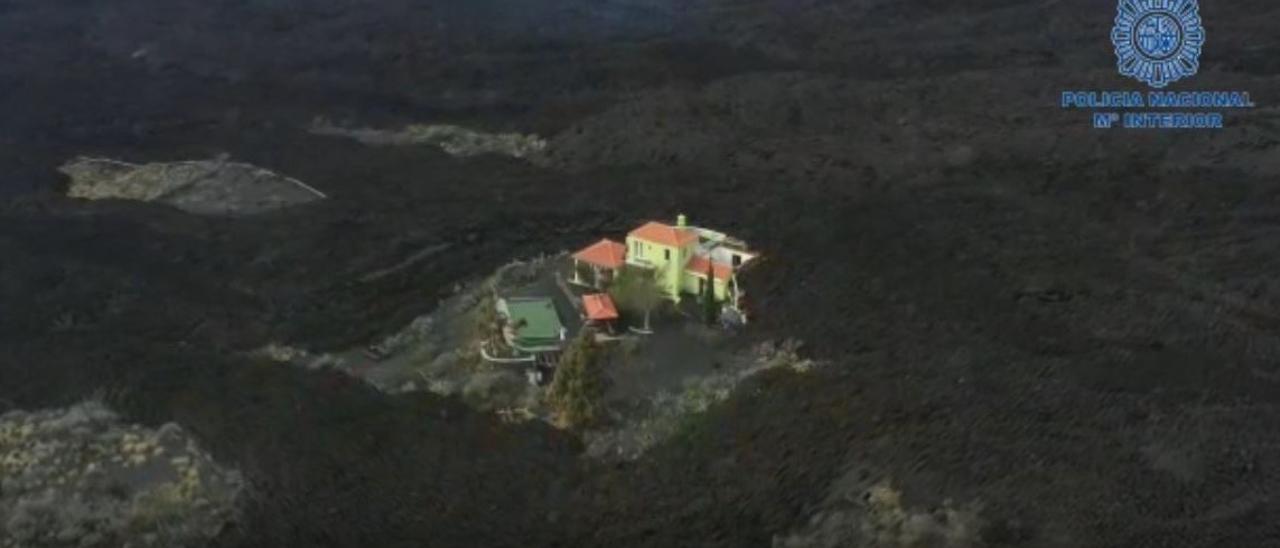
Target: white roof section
724,255
720,247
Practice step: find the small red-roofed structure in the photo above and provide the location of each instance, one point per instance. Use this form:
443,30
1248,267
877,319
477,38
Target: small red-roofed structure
601,260
598,307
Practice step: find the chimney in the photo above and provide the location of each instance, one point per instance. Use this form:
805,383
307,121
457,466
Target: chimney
681,222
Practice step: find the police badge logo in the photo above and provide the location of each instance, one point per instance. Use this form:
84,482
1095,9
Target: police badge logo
1158,41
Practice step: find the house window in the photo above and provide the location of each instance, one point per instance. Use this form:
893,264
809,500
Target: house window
666,254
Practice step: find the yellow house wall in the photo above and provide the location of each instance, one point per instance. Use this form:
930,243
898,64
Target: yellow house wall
671,270
720,288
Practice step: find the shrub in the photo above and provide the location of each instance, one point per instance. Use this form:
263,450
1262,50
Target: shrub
577,392
637,291
710,307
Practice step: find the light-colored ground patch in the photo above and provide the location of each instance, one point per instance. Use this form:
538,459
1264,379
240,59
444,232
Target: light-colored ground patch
207,187
454,140
439,351
655,383
80,477
859,514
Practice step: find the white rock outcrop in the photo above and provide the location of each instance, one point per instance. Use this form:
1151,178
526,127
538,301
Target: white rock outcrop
207,187
453,140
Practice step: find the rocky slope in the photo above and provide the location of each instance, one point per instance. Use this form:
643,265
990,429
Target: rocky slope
1072,330
78,477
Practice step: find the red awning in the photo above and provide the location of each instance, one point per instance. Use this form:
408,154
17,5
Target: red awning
599,307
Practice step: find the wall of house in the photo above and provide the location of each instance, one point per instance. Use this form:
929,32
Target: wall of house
668,260
691,283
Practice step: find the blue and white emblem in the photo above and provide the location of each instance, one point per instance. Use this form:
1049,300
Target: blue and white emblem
1158,41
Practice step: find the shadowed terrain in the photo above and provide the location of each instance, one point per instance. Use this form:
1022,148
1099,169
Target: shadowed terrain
1074,329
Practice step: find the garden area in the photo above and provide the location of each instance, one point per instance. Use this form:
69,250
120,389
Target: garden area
623,386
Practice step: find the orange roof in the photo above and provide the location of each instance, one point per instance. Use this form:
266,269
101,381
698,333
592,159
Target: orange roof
664,234
698,265
604,253
599,307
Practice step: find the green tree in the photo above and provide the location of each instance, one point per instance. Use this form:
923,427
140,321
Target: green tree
577,393
639,290
710,306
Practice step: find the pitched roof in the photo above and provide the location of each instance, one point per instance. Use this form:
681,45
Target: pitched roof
604,253
698,265
664,234
599,306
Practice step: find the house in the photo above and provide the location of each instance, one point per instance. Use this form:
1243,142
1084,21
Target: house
664,249
532,325
684,258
